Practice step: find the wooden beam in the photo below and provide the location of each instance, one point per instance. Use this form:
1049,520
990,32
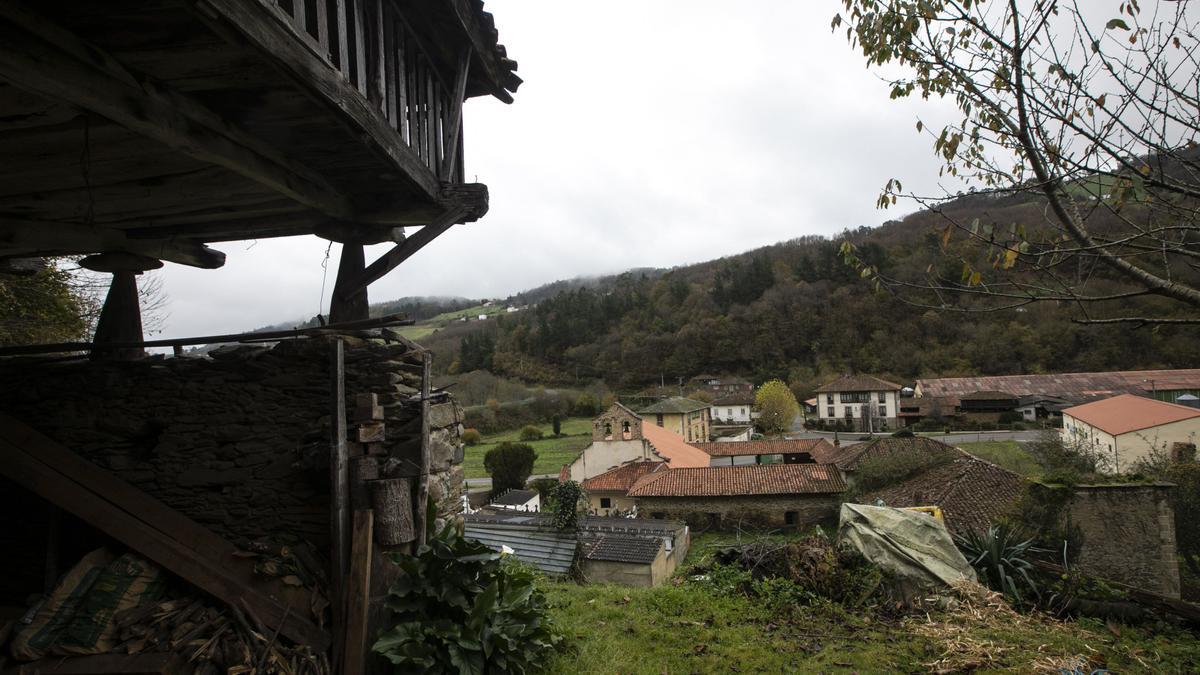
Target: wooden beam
277,40
37,237
455,124
404,250
339,497
45,467
63,70
352,305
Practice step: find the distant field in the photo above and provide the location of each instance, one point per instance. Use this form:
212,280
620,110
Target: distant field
552,452
1008,454
416,332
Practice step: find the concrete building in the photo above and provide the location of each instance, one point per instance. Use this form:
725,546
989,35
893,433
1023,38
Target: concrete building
732,409
790,451
866,402
684,416
1126,428
619,436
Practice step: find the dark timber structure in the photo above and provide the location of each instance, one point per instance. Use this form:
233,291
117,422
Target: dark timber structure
145,130
142,132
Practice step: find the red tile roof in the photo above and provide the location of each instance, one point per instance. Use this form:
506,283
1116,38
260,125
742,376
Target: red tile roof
671,447
822,451
727,481
971,492
1125,413
621,478
859,383
1071,386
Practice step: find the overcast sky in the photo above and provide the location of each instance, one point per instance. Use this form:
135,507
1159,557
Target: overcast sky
647,133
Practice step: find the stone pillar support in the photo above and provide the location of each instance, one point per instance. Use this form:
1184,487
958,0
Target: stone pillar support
121,317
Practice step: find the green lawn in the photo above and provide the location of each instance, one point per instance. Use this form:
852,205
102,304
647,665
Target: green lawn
685,628
1008,454
552,452
416,332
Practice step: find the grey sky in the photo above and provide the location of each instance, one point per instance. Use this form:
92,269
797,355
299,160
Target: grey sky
647,133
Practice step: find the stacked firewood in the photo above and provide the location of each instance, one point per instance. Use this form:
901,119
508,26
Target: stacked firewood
214,639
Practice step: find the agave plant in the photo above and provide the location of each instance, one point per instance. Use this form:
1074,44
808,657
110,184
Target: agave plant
1001,557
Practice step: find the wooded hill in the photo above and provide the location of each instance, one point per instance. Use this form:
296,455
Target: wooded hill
797,311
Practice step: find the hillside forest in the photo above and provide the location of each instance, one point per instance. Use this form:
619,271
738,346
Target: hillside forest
797,311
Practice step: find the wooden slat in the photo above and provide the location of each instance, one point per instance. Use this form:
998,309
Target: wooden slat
430,117
390,78
130,528
402,123
454,124
360,45
323,28
155,111
299,16
358,593
377,68
343,46
272,38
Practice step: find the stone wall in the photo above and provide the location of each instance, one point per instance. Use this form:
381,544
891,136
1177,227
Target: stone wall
1128,534
238,440
751,511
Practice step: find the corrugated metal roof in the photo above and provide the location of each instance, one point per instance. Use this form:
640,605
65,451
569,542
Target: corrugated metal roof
550,550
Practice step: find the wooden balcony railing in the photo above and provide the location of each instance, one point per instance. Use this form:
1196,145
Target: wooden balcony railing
371,46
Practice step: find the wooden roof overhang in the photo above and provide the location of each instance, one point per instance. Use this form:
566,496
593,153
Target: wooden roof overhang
156,127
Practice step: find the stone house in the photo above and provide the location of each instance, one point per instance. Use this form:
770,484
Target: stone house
608,493
620,436
866,402
784,451
727,497
684,416
1126,428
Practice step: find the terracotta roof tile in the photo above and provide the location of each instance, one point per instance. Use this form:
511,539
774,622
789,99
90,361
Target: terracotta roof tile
741,398
1072,386
850,458
1125,413
621,478
675,405
972,493
859,383
723,481
672,448
822,451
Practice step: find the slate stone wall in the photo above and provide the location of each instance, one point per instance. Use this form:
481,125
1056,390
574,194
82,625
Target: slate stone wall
1128,533
237,440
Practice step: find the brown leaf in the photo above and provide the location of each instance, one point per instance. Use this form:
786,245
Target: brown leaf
700,649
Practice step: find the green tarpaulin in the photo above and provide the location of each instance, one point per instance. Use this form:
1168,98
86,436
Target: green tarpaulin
913,548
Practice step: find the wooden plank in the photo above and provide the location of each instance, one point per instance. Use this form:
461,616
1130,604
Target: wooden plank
405,250
360,45
343,59
339,480
430,118
423,479
376,68
454,124
299,16
323,28
390,79
271,37
402,122
194,567
358,594
155,111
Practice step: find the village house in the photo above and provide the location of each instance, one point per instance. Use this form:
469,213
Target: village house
620,436
732,409
1124,429
517,500
684,416
865,402
728,497
608,492
720,386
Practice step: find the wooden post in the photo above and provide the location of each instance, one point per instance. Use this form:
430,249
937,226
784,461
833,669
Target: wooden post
339,497
358,598
347,305
363,470
423,480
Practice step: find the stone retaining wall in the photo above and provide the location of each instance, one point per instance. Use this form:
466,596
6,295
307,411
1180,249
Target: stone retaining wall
239,439
734,512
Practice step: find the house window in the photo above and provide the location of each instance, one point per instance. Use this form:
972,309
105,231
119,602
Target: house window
791,517
829,398
829,412
883,397
729,412
658,419
883,411
743,412
849,411
605,503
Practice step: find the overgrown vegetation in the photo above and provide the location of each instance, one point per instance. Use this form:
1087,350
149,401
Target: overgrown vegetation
566,504
883,469
509,465
1003,558
458,606
776,406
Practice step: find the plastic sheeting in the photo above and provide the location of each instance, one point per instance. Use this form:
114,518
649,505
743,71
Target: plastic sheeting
913,548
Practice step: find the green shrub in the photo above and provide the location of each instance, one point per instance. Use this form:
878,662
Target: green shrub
509,465
556,425
471,436
1002,557
903,433
459,607
1010,416
531,433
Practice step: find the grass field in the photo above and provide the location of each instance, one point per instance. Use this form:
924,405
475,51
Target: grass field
687,628
552,452
416,332
1008,454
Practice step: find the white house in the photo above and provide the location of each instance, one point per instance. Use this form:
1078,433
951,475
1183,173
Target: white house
732,409
518,500
1126,428
867,402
